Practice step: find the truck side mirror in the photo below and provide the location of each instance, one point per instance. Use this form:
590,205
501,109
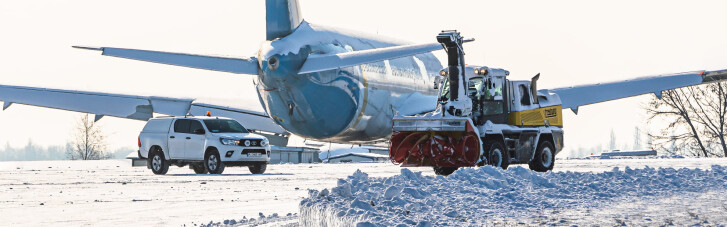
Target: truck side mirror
199,131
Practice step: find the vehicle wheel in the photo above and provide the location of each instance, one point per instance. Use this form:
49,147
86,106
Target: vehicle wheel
498,156
198,168
258,168
158,164
544,157
445,171
213,163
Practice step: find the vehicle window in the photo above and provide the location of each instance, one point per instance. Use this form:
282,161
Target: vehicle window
492,107
194,125
524,95
444,94
475,85
181,126
224,126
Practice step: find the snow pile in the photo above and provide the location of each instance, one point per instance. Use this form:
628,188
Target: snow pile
273,219
471,196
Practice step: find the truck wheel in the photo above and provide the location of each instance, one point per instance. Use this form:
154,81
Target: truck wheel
445,171
498,156
159,165
198,168
213,163
544,157
258,168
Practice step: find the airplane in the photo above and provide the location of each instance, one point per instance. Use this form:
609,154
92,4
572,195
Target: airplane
321,83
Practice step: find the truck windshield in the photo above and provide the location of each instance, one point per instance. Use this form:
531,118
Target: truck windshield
444,93
224,126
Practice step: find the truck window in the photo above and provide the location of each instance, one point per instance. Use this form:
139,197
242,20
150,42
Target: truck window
181,126
444,93
224,126
524,95
194,125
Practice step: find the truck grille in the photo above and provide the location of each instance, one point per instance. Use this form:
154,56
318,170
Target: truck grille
253,151
253,142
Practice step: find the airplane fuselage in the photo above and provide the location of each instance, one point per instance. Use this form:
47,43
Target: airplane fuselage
352,104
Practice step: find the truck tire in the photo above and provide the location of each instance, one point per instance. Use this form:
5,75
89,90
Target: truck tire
498,156
444,171
544,159
213,162
198,168
258,168
158,164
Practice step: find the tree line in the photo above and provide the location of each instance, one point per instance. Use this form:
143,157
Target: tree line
88,143
696,120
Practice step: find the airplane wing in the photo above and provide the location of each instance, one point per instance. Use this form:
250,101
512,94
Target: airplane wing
577,96
223,64
323,62
130,106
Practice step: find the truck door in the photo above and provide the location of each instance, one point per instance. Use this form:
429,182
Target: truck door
194,145
177,138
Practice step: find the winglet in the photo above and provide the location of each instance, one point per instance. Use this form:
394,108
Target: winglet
88,48
97,117
6,105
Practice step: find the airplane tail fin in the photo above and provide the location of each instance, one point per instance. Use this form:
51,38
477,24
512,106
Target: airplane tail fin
283,16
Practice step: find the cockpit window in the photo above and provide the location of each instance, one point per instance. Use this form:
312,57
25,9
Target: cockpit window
224,126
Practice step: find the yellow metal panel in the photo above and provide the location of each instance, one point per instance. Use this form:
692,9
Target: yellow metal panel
551,115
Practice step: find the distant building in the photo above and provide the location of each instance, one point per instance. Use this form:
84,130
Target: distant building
294,155
358,157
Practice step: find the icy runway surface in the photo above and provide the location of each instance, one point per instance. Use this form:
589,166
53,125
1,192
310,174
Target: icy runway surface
112,192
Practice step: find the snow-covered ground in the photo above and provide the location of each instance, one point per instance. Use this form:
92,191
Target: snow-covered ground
112,192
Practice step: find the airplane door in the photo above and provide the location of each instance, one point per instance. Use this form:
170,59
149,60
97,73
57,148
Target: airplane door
177,138
194,143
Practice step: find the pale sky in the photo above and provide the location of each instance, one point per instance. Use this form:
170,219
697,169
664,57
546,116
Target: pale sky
568,42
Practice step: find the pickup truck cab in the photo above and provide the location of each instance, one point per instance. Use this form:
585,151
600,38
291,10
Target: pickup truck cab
206,144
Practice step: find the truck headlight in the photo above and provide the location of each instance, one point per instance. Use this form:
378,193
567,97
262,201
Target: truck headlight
264,143
247,143
228,141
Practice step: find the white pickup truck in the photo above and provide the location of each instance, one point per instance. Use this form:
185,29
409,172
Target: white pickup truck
206,144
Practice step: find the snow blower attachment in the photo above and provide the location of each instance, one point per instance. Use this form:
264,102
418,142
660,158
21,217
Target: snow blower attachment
446,139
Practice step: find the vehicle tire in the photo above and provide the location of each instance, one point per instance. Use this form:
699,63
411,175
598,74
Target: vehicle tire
498,156
213,162
444,171
198,168
544,159
258,168
157,163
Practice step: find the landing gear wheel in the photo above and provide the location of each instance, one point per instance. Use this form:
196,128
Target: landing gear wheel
444,171
498,156
158,164
544,157
198,168
257,168
213,163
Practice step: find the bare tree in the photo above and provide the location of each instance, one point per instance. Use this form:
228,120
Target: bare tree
697,120
88,142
